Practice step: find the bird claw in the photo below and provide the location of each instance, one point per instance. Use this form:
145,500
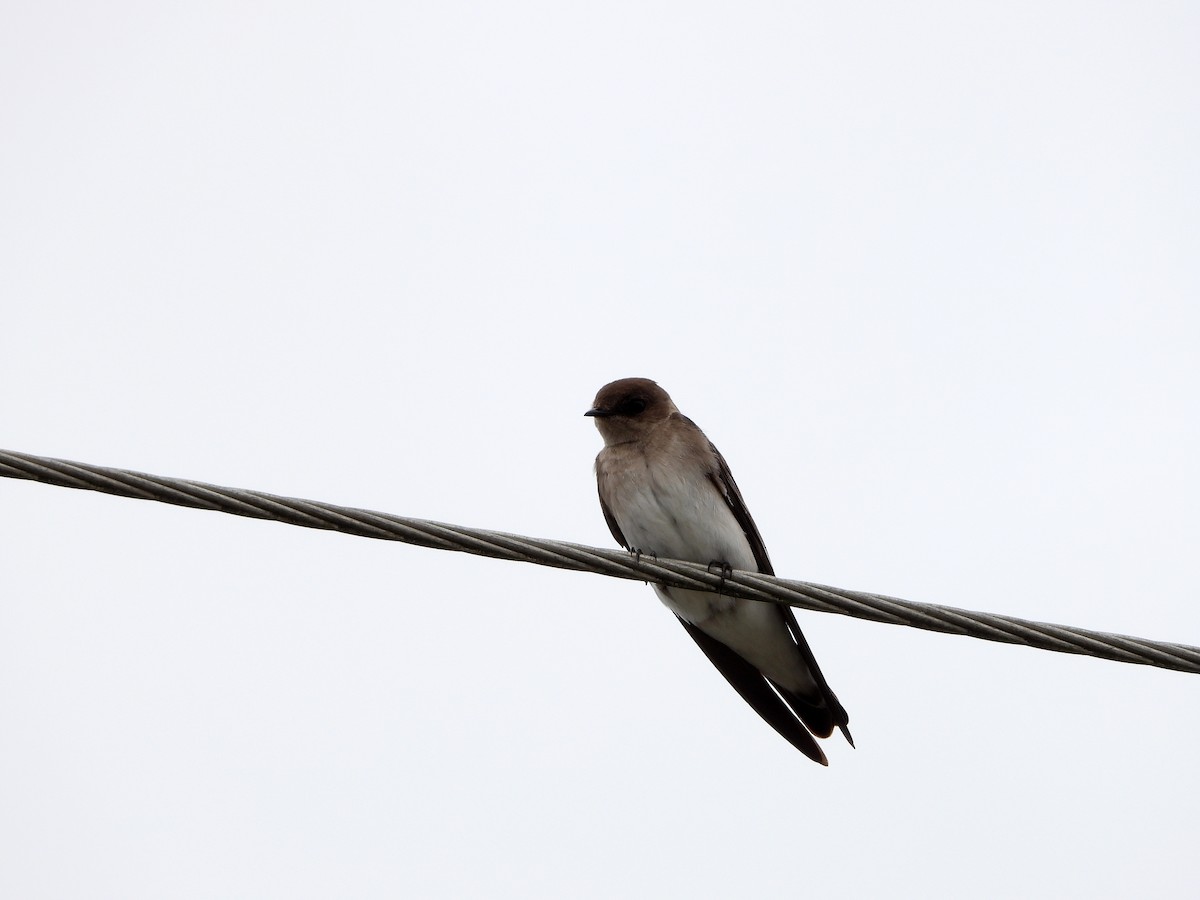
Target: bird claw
722,568
636,553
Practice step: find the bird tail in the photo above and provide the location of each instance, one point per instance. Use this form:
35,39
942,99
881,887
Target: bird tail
820,716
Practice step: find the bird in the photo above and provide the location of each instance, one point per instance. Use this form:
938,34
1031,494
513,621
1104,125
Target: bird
666,491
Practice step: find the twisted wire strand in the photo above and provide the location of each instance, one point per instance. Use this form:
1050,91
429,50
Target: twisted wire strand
615,563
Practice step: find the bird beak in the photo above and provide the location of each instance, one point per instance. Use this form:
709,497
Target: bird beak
598,412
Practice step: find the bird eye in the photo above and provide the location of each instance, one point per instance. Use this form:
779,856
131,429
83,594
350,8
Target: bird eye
632,407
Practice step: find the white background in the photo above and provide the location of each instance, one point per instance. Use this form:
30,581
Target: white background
926,273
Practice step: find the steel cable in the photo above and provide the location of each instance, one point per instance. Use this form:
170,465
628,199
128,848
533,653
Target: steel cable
615,563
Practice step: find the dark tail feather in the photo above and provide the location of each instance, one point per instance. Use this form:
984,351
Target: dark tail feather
818,719
837,712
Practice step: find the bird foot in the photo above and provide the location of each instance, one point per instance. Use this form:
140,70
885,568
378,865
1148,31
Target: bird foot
636,553
722,568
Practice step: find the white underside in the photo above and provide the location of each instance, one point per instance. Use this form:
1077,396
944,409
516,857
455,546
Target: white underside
671,515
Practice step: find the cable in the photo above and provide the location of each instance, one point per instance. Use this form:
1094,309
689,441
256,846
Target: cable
616,563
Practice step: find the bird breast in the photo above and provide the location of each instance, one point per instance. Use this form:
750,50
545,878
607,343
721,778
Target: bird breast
670,508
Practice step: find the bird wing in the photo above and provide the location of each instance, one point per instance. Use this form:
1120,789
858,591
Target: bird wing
722,478
757,691
612,523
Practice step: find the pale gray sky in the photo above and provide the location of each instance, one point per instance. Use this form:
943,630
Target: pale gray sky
927,274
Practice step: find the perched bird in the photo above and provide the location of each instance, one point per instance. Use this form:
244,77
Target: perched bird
666,491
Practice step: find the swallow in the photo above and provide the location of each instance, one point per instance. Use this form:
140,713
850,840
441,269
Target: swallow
666,491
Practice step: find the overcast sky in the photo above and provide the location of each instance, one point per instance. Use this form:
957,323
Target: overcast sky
928,274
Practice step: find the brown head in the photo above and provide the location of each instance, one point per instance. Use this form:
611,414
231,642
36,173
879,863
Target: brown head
628,409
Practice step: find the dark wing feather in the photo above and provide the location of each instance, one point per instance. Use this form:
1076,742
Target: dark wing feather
723,479
612,524
757,691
